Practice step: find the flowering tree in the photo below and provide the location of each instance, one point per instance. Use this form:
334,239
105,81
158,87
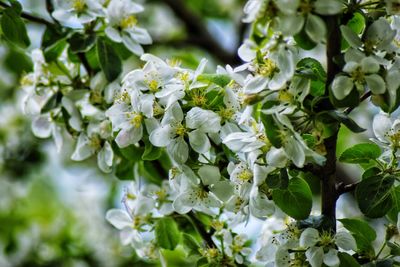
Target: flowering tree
209,151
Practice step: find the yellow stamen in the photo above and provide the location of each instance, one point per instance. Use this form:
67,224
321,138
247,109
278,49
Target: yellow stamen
128,22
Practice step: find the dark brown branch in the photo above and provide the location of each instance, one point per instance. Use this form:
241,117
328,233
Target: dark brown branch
345,188
328,171
362,98
30,17
198,31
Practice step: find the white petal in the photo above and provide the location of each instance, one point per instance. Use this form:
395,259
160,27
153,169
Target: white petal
331,258
294,151
330,7
375,83
162,136
369,65
315,28
309,237
209,174
199,141
119,218
105,158
342,86
183,204
129,136
83,150
315,256
256,85
178,150
350,36
381,125
41,126
345,241
113,34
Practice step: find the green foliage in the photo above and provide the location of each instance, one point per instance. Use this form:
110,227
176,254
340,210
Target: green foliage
295,200
373,195
361,153
109,60
362,233
13,27
167,233
357,25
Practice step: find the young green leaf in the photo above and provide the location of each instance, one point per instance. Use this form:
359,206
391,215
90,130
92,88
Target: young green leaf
110,63
218,79
296,200
167,233
347,260
361,153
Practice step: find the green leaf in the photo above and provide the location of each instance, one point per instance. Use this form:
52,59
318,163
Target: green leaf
167,233
124,170
346,260
191,244
394,211
311,68
373,195
362,232
361,153
218,79
13,27
346,120
18,62
371,172
394,248
151,152
54,51
304,41
110,63
80,43
271,129
296,200
357,24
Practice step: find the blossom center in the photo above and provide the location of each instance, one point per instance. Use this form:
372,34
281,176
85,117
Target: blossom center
136,120
358,75
128,22
267,67
79,5
245,175
180,130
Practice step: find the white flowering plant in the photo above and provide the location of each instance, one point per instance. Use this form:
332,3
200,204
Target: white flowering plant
210,151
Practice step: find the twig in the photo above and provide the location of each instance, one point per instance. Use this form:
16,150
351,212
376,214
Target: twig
362,98
345,188
200,229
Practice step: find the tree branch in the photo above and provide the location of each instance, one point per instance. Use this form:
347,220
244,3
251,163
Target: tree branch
199,34
345,188
30,17
328,171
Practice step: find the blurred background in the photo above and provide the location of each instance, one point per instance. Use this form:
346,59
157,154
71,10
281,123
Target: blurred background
52,209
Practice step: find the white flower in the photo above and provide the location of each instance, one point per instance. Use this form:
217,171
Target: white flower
386,131
272,73
44,126
84,11
128,116
123,25
171,133
92,143
235,246
314,242
358,75
200,195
